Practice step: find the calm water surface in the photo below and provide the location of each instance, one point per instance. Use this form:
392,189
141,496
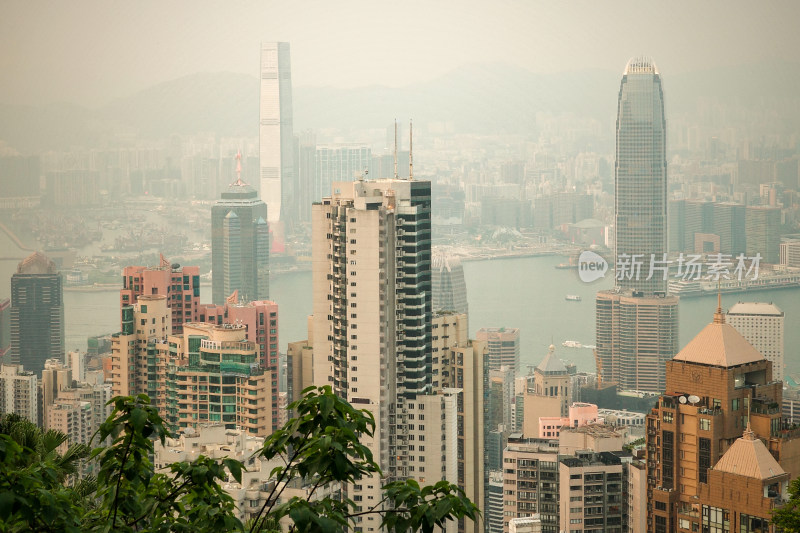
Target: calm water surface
526,293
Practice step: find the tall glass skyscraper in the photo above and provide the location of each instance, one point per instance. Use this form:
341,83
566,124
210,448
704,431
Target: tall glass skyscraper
641,177
239,245
276,136
37,313
637,322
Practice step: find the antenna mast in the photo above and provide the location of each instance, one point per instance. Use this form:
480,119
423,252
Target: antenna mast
395,148
410,150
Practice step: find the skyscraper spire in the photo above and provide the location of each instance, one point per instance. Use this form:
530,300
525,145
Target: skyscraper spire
238,181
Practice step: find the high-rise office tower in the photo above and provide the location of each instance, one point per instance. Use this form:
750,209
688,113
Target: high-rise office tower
339,162
276,136
306,158
239,244
37,313
638,308
704,435
449,287
503,346
763,225
640,184
636,336
181,286
761,324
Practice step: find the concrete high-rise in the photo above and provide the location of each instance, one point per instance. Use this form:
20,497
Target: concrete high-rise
640,184
371,327
239,244
37,313
503,346
181,286
260,319
19,392
763,226
637,323
276,136
761,324
374,340
636,336
449,287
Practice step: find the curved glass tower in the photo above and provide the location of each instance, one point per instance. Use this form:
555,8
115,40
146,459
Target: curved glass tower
640,179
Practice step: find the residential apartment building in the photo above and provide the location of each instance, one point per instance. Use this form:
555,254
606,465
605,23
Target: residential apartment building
762,325
181,286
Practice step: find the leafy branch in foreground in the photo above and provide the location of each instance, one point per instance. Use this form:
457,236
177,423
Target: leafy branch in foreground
320,446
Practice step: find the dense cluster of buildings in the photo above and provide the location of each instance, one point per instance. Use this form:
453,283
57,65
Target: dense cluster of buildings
389,332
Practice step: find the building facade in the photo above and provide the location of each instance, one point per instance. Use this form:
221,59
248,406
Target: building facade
181,286
636,336
717,434
449,287
37,313
640,178
276,134
239,245
761,324
19,392
503,346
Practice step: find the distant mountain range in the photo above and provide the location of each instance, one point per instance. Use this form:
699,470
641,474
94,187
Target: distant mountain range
478,98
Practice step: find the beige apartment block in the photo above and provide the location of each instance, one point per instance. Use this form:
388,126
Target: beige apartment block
19,392
762,325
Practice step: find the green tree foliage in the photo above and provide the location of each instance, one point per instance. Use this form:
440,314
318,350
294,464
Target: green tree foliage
787,517
321,446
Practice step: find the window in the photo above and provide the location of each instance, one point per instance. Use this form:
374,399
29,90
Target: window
735,404
668,417
705,424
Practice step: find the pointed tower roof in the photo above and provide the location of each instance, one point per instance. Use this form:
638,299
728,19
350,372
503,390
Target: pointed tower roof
551,364
719,344
36,263
749,457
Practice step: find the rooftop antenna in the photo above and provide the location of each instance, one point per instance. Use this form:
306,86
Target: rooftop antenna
395,148
410,150
238,181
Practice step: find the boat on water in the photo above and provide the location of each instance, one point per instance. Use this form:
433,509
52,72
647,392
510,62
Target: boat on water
572,298
576,344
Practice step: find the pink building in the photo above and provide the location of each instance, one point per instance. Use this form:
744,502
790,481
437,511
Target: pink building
261,320
181,286
580,414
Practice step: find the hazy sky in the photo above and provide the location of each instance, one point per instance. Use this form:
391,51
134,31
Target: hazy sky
90,52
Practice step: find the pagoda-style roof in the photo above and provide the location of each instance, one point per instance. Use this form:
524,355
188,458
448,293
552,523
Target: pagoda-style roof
551,364
749,457
719,344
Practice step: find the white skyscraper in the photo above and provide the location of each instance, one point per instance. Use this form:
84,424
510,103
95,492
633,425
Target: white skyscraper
276,134
762,325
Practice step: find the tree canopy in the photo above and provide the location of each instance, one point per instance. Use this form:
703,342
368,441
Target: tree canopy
40,488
